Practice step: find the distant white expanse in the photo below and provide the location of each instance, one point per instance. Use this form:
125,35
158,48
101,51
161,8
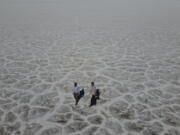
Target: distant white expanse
162,11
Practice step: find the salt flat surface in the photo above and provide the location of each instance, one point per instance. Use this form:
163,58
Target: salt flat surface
136,65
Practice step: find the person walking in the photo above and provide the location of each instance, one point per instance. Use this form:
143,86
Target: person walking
95,94
78,93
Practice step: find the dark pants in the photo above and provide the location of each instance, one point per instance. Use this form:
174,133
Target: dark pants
77,97
93,100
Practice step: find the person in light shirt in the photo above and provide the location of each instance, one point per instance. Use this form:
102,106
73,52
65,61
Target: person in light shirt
95,94
77,92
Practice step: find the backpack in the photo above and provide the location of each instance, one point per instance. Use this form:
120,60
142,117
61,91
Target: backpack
97,93
82,93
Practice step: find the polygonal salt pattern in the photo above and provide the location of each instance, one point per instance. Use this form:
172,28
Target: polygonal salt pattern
137,72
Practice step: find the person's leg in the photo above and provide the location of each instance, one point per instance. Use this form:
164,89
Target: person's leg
91,103
95,100
78,98
76,102
74,94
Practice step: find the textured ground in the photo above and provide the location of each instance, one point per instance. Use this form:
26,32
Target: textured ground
137,71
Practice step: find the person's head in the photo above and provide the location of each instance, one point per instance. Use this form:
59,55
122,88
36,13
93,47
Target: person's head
75,84
92,83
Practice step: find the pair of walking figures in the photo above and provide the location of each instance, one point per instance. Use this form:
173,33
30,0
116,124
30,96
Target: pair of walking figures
79,93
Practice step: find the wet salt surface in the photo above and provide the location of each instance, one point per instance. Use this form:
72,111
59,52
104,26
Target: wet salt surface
138,73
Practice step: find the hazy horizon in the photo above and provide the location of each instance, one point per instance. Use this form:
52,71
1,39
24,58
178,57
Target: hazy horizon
51,11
